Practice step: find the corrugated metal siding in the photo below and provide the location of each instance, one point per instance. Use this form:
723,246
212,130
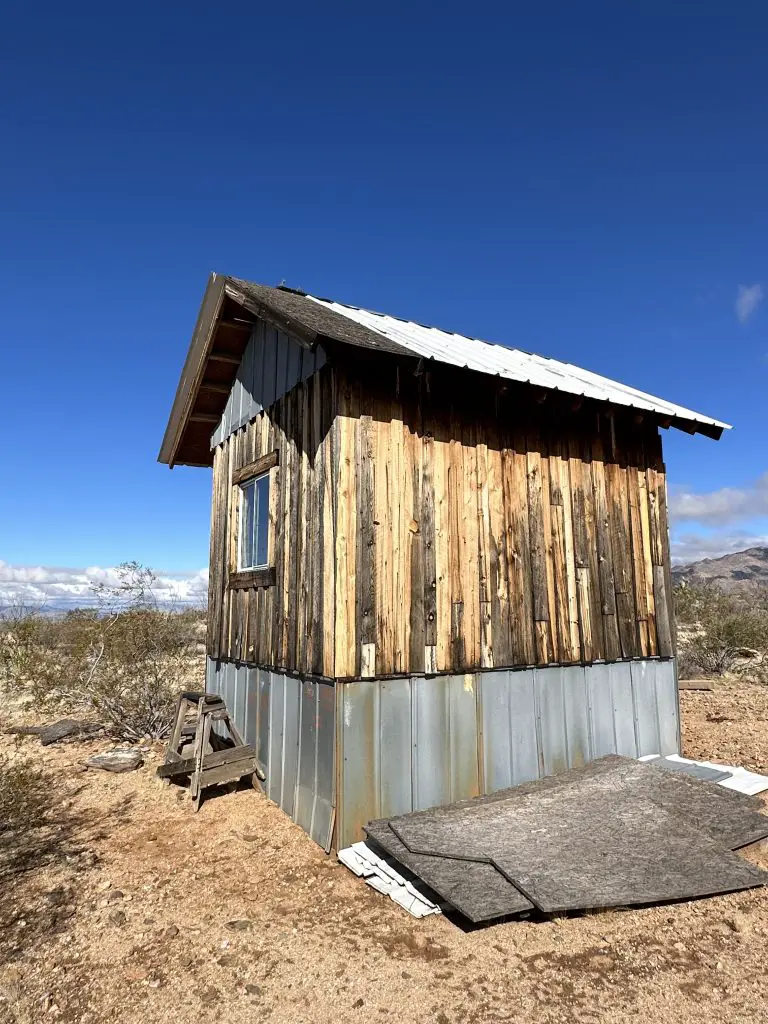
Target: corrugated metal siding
272,364
510,363
292,724
412,743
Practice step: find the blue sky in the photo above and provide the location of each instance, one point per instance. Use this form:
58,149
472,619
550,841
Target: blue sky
586,181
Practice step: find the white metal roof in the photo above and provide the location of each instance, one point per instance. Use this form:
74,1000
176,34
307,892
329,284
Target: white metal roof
512,363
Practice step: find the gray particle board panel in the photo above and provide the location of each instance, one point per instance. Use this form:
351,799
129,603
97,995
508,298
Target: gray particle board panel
649,857
477,890
613,833
732,818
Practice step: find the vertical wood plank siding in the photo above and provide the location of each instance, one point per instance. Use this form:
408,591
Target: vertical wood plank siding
416,530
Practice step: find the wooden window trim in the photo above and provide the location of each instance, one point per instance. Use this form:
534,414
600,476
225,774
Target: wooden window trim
256,468
248,579
265,576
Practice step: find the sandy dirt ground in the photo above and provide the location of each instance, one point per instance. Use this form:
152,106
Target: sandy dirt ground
143,912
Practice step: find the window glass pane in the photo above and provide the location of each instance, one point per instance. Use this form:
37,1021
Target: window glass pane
248,513
262,519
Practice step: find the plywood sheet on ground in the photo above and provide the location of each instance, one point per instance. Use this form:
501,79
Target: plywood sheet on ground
477,890
616,832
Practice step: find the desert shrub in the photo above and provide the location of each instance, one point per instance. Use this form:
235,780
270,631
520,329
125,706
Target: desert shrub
26,801
721,628
123,661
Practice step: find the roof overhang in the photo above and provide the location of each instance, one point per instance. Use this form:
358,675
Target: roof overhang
222,331
231,306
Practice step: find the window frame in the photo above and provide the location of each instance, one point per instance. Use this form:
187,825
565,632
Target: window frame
260,576
241,486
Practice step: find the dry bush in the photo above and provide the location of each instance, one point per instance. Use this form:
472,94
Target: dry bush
26,803
123,661
721,628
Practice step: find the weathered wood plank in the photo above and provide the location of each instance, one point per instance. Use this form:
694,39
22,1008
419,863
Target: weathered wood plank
470,546
621,547
329,524
404,534
484,545
645,530
255,467
442,461
455,546
279,632
317,527
558,487
638,561
251,578
515,476
229,517
612,651
269,439
543,642
415,592
501,630
428,542
345,429
292,539
385,638
210,760
227,772
303,527
366,534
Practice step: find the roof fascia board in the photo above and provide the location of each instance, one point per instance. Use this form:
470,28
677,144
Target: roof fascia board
194,368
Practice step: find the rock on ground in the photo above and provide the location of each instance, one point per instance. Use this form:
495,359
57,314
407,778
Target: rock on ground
119,759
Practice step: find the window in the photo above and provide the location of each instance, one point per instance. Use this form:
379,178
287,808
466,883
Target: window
254,522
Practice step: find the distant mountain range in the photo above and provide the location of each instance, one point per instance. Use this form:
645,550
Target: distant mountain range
729,571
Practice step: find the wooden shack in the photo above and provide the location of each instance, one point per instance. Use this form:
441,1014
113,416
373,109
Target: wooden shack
438,566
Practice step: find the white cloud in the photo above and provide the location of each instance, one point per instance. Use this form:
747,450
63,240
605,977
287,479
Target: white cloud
692,547
747,301
60,588
723,506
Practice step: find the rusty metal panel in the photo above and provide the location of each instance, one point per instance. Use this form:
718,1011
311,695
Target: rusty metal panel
394,768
